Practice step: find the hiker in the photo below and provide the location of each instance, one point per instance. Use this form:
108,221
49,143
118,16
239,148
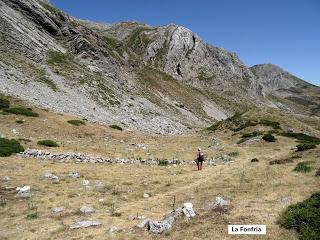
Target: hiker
200,159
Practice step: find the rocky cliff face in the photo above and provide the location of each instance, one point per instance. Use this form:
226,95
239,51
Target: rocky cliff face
158,79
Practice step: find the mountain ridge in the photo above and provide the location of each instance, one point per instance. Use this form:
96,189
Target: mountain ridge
163,79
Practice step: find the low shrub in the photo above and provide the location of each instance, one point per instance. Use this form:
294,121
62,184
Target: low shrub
21,111
254,160
281,161
269,138
116,127
233,154
20,121
163,163
48,143
252,134
76,122
245,124
8,147
302,138
305,146
4,103
273,124
303,217
317,173
302,167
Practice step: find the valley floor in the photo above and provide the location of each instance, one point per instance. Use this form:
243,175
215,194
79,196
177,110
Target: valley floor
257,191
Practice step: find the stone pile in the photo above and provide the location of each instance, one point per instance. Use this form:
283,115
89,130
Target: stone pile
80,158
159,226
85,224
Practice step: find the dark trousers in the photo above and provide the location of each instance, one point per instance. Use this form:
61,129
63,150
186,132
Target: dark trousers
199,165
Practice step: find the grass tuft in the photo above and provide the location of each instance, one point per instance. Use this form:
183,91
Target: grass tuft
302,167
76,122
116,127
48,143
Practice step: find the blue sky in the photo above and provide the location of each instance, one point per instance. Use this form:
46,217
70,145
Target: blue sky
282,32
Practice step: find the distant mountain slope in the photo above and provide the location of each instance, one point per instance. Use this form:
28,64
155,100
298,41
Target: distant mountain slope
287,90
157,79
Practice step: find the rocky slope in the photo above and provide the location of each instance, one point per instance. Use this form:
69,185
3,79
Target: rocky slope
287,91
157,79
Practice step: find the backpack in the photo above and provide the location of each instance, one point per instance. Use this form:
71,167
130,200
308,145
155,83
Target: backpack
201,157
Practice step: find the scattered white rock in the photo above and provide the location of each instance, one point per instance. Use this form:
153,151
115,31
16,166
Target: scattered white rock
219,204
87,209
74,174
14,131
131,218
101,200
57,210
141,217
188,210
99,186
146,195
52,176
114,229
24,192
85,183
85,224
143,224
6,178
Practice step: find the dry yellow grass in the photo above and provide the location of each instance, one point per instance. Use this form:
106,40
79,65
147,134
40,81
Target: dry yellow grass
258,191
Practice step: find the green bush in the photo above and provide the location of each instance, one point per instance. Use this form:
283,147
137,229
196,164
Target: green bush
302,138
21,111
303,217
305,146
302,167
269,138
4,103
7,147
48,143
76,122
116,127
